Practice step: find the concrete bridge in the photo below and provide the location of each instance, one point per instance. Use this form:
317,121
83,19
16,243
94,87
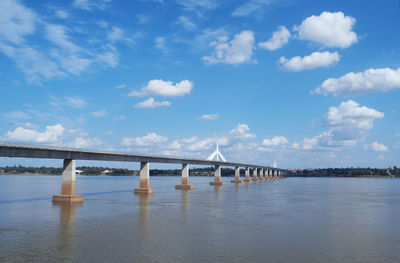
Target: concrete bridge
68,193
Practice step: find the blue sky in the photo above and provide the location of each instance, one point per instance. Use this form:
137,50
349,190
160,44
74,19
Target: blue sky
305,83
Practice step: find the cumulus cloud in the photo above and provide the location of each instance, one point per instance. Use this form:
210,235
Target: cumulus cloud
376,147
329,29
276,141
349,122
278,39
151,103
149,139
52,134
159,87
82,142
209,117
236,51
351,113
371,80
242,131
315,60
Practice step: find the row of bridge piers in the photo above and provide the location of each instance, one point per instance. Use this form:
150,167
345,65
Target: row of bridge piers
68,189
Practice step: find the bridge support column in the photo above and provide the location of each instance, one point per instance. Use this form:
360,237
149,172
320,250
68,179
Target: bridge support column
266,174
275,174
270,174
185,178
217,176
261,174
68,193
255,178
144,183
237,176
247,175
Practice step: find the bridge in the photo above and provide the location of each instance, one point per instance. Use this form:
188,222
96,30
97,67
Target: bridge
68,192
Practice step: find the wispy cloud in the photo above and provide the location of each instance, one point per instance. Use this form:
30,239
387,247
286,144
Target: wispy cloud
210,117
151,103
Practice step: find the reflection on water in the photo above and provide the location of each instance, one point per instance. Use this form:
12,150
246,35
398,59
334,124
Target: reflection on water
298,220
65,237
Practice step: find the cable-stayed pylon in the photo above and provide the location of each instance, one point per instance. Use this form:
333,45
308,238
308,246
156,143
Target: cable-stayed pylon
216,155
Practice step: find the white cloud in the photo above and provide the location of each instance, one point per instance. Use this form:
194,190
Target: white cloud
329,29
315,60
160,44
81,142
91,5
193,5
186,23
349,122
99,114
120,86
276,141
371,80
159,87
397,134
31,126
251,7
376,147
241,131
57,34
74,102
116,34
278,39
147,140
209,117
16,21
151,103
16,115
351,113
237,51
61,14
52,134
33,64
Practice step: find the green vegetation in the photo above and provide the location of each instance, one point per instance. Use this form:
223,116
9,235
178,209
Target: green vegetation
86,170
347,172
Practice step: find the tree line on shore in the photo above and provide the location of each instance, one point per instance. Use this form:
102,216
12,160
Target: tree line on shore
206,171
348,172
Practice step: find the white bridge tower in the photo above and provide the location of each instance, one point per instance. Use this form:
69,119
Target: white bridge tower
216,155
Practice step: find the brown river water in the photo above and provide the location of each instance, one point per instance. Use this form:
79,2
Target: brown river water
287,220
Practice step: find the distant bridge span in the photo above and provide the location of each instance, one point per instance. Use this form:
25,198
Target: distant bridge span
68,193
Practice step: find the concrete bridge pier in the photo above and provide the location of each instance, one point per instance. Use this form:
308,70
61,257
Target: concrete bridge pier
68,193
217,176
237,176
255,178
266,174
247,175
275,173
261,174
144,183
185,179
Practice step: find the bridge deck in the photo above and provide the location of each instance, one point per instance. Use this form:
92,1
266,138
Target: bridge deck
23,151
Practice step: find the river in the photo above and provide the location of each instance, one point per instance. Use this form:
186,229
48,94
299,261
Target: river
287,220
